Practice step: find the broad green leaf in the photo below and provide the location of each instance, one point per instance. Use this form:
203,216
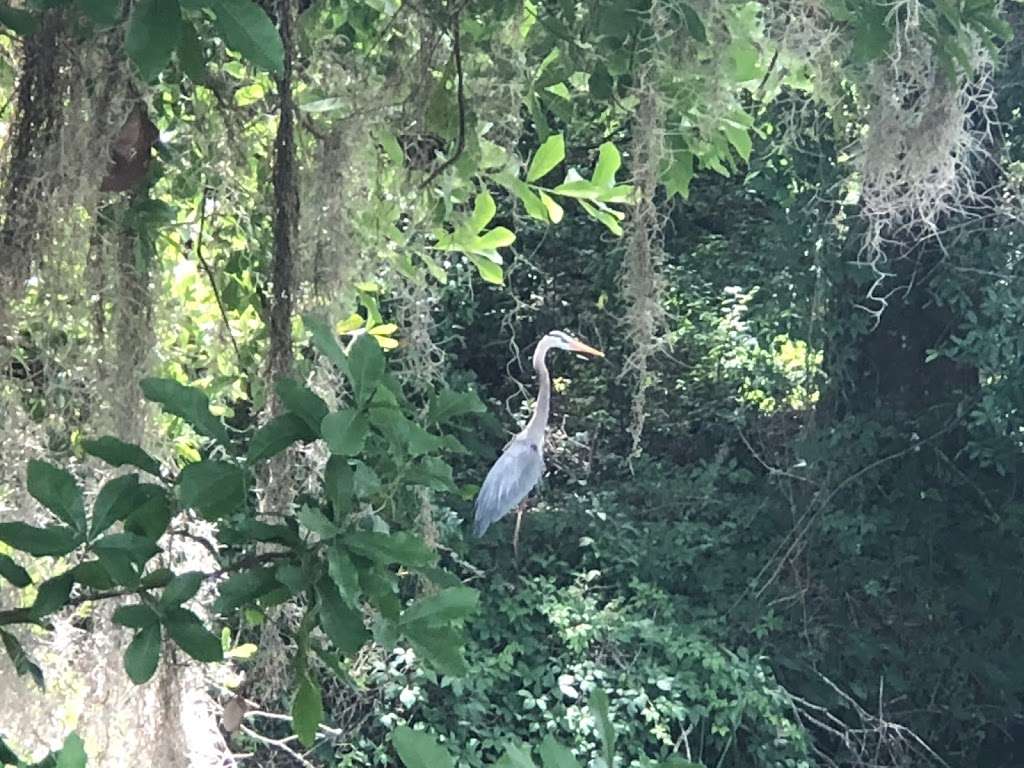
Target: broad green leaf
13,572
344,573
678,174
215,489
161,577
181,588
18,21
550,154
531,202
39,542
312,519
448,404
516,757
136,616
342,623
188,403
366,367
281,432
345,432
578,188
247,29
603,215
150,511
554,755
143,654
7,757
483,211
744,60
191,56
113,503
499,237
608,162
307,710
92,574
23,664
154,27
599,709
326,341
53,595
418,749
117,453
694,26
445,606
384,548
440,647
739,138
303,402
244,587
339,485
552,209
489,270
185,628
432,472
57,490
72,754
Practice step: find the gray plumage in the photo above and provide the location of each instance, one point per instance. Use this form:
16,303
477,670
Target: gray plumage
521,464
513,476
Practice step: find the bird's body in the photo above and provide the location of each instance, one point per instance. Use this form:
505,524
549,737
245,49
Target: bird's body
521,465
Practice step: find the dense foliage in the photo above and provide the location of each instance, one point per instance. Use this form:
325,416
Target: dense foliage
270,277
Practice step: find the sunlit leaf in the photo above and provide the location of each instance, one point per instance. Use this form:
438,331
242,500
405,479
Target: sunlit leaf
549,155
248,30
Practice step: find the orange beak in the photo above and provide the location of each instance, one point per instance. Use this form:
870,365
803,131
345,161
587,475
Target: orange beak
579,346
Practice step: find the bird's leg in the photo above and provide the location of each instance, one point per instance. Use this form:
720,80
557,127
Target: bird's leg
515,536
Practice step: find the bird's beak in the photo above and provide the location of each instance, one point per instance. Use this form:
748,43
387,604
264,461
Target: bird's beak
579,346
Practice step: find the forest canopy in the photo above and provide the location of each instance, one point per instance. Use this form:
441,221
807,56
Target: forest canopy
273,274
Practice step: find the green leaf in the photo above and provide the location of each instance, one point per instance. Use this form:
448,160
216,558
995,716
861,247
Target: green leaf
120,568
18,21
600,82
150,511
489,270
342,623
330,104
72,754
39,542
215,489
599,709
554,755
604,216
366,367
345,575
483,211
113,503
161,577
608,162
244,587
154,27
418,749
103,13
440,647
185,628
326,341
516,757
678,175
53,595
550,154
7,757
281,432
191,56
449,405
345,432
339,486
57,490
181,588
499,237
92,574
307,710
403,548
533,205
739,138
303,402
23,664
694,26
552,209
143,653
312,519
247,29
136,616
445,606
117,453
188,403
13,572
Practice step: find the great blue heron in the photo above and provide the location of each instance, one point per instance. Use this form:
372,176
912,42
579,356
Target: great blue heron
521,464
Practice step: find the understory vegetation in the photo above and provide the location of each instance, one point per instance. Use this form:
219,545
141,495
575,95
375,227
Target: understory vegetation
272,273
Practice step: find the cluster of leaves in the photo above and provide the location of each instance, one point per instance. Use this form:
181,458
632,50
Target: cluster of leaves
70,755
339,555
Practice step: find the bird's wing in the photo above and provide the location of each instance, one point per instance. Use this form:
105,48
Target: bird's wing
512,477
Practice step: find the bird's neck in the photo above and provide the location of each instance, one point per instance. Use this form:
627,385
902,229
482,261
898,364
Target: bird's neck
538,422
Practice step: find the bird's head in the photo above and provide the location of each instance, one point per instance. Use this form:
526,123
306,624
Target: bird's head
562,340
